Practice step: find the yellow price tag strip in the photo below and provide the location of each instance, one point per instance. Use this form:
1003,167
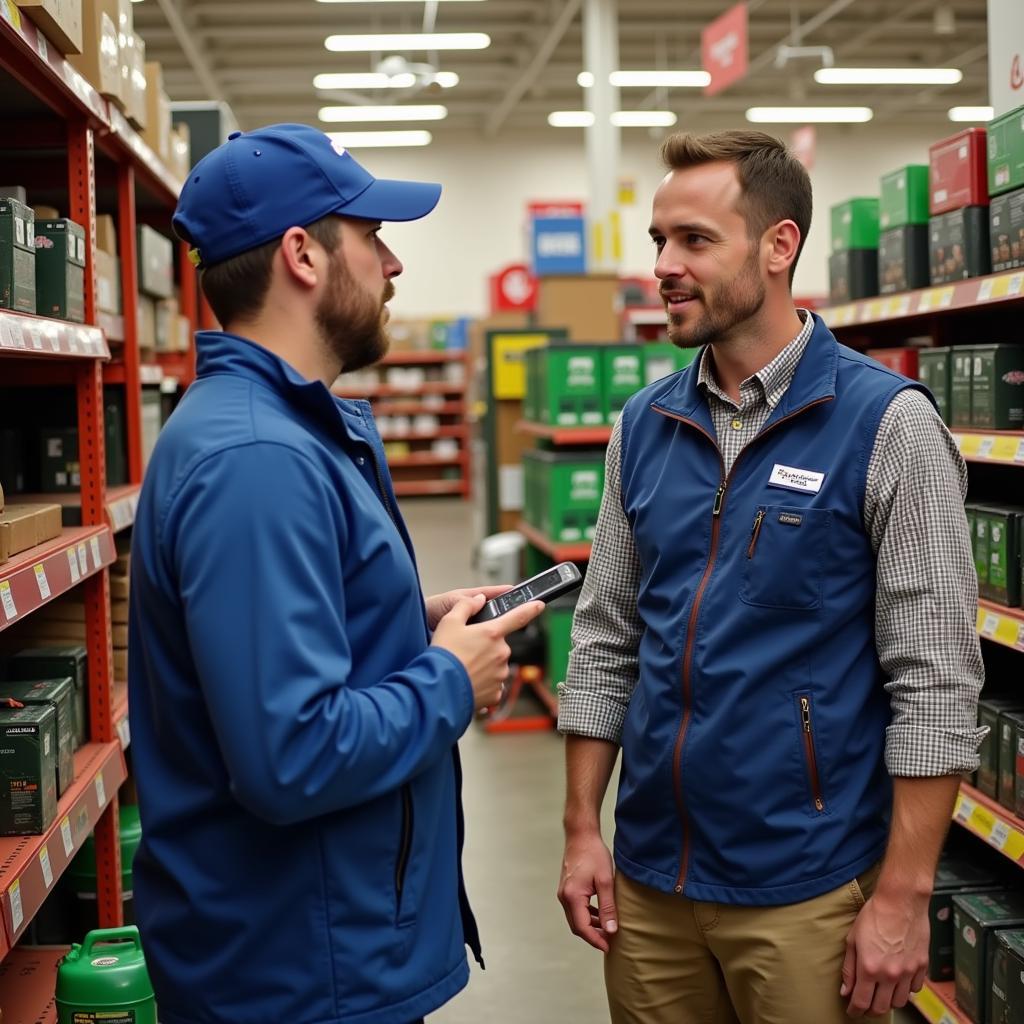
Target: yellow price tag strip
930,1005
970,444
1004,449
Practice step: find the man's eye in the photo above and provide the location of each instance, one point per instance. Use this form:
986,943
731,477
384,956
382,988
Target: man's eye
659,243
692,239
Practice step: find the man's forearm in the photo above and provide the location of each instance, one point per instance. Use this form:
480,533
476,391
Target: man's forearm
588,769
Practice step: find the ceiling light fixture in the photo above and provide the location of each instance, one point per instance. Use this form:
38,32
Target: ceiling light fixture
809,115
643,119
650,79
888,76
971,113
570,119
377,140
408,41
400,112
364,80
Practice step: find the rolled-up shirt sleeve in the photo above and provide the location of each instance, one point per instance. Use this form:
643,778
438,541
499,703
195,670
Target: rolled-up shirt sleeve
606,632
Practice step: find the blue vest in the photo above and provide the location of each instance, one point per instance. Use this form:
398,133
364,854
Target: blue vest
753,765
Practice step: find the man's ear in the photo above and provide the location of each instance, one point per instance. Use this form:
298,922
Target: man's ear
301,257
783,244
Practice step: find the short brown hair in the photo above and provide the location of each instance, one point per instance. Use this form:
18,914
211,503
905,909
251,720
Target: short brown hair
775,185
237,287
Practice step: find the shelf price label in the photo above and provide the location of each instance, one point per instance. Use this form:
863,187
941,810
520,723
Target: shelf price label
964,809
946,297
101,792
1018,455
83,559
14,895
1005,449
990,624
124,733
41,581
44,863
94,544
65,835
7,599
985,291
931,1007
1016,284
73,565
1020,636
34,335
985,446
927,300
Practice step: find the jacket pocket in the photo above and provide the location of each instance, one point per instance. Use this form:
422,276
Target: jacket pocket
785,557
405,906
806,711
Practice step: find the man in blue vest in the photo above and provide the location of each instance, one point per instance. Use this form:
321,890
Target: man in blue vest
295,703
777,629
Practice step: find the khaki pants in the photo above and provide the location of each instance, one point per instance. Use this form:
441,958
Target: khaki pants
675,961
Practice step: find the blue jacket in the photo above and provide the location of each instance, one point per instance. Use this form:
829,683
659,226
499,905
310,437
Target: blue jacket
293,733
753,769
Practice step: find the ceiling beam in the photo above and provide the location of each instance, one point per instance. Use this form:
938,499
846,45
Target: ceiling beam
192,46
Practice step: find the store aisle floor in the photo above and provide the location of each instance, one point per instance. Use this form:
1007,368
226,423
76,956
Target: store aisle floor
537,972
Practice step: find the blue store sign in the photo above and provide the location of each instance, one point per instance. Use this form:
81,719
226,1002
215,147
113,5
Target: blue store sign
559,245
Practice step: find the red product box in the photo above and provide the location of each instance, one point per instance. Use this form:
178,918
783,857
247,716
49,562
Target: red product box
902,360
958,172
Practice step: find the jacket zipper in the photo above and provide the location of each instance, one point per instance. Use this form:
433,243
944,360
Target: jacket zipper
812,761
404,847
687,674
755,532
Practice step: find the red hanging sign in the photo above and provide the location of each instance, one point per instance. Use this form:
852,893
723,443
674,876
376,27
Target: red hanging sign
723,46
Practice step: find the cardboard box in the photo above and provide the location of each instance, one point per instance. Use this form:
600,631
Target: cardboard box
960,387
585,305
976,918
28,770
952,877
99,62
997,386
1011,731
108,282
58,662
958,172
60,269
902,360
44,212
60,20
60,695
125,34
16,192
106,233
855,225
156,263
5,542
157,134
934,368
145,312
20,521
958,245
166,324
135,101
903,259
989,710
182,335
181,149
904,197
852,274
1007,989
17,257
1006,231
1006,152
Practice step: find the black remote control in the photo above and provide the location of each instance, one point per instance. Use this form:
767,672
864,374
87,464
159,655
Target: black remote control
545,586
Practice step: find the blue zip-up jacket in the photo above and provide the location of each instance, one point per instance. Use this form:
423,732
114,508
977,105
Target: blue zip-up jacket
293,734
753,765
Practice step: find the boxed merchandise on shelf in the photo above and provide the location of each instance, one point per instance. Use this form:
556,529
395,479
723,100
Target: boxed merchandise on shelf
17,257
562,493
954,876
1011,732
852,274
29,525
157,134
1006,231
28,770
977,917
903,259
903,197
99,62
57,662
663,358
156,263
902,360
60,269
1001,579
855,224
108,282
958,172
106,233
584,304
623,376
181,150
960,390
60,695
1007,989
997,386
60,20
165,324
565,385
16,192
989,710
1006,152
958,245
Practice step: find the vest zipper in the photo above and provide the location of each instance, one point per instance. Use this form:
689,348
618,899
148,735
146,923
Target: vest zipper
716,513
404,848
812,761
755,532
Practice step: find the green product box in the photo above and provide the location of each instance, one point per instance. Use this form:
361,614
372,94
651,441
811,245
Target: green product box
952,877
852,274
904,197
1007,1006
989,709
855,225
114,436
976,919
958,246
156,263
960,388
566,489
570,386
1006,231
903,259
558,628
1006,152
934,371
623,374
28,770
60,695
1011,730
60,269
58,460
977,519
663,358
56,663
531,404
997,387
17,257
1002,576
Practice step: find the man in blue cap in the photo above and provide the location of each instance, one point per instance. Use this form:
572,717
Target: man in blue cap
295,703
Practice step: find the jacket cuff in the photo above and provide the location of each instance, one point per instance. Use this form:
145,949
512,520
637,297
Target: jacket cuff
585,713
912,752
467,702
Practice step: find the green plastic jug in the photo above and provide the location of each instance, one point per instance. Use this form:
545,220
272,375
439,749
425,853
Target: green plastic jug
105,979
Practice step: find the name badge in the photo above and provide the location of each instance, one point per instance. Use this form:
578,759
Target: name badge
807,481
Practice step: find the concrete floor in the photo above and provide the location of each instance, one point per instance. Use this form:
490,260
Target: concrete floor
537,971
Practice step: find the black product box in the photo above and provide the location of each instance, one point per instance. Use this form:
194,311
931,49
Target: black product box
976,919
57,663
12,460
60,269
903,259
28,770
17,257
934,371
1007,992
958,245
989,709
997,386
952,877
60,695
1011,732
1001,580
961,386
1006,231
852,274
58,460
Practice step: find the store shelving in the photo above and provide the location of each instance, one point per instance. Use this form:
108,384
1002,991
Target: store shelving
937,1003
555,550
119,503
566,435
388,391
40,338
411,488
26,982
991,822
999,447
1001,625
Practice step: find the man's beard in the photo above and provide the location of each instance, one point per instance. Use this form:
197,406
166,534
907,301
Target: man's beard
733,303
351,320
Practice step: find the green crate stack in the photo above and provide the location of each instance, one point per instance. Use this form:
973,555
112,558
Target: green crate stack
934,368
17,257
567,385
563,493
60,269
623,376
557,622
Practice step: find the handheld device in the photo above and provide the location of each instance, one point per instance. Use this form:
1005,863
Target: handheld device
545,586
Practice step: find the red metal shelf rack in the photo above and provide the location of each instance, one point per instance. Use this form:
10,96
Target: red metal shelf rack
566,435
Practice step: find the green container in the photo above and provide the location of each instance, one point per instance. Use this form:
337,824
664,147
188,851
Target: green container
1003,563
934,371
557,622
1008,978
60,695
81,872
17,257
1006,152
105,980
961,391
855,225
952,877
28,770
997,386
1011,731
976,919
565,491
904,197
623,375
54,663
978,521
60,269
662,359
568,384
531,397
989,710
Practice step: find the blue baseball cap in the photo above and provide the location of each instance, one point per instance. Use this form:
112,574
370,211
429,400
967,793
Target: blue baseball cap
254,187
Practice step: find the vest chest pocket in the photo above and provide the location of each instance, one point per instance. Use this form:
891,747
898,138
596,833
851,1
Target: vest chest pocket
785,557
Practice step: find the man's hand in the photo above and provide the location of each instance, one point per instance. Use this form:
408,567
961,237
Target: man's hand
587,871
440,605
886,954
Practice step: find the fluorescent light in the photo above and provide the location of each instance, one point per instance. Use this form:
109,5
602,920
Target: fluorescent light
570,119
401,112
391,42
374,1
585,79
376,80
808,115
650,79
643,119
367,140
971,113
446,79
888,76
